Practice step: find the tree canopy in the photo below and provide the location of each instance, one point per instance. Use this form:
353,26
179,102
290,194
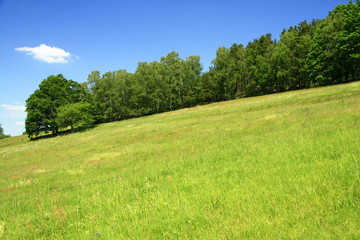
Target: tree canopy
42,106
79,114
335,50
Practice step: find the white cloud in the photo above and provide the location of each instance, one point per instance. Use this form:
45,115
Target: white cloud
19,123
13,107
47,54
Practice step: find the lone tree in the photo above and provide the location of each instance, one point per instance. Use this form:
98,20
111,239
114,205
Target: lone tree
2,134
42,106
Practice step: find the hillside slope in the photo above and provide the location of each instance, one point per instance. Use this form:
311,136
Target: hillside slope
282,166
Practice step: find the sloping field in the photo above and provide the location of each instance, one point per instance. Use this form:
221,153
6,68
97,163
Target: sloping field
282,166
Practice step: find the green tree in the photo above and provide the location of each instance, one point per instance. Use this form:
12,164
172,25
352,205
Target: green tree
281,64
42,105
221,74
153,89
173,74
79,114
335,49
237,70
207,88
227,73
2,134
290,55
169,84
258,66
112,95
92,80
192,71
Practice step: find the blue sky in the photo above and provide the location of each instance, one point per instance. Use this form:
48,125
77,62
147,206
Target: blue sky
39,38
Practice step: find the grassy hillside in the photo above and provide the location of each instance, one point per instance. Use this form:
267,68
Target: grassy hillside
282,166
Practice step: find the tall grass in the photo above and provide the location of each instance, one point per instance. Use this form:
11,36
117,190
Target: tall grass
282,166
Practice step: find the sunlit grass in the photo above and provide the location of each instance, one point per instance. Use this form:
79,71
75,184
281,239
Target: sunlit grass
282,166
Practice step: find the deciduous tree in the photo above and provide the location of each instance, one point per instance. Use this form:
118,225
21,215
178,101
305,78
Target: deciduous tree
42,105
79,114
2,134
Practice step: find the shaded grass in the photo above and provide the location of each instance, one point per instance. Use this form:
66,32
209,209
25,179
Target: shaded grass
282,166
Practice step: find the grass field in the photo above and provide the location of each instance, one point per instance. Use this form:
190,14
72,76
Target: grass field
282,166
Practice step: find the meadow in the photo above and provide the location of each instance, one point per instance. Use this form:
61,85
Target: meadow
280,166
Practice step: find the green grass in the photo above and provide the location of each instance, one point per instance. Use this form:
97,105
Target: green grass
282,166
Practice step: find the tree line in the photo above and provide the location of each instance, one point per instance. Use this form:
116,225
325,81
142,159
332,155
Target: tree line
319,53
